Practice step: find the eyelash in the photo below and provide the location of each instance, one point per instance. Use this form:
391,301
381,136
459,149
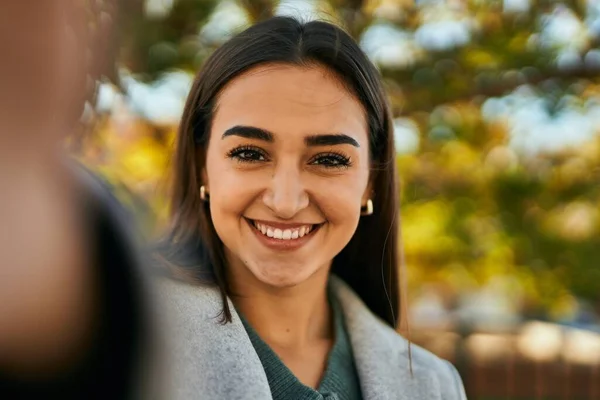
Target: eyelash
249,154
256,154
340,160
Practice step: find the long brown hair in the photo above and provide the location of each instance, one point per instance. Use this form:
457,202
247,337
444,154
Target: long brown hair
369,263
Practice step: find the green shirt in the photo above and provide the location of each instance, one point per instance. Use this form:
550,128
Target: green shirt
340,381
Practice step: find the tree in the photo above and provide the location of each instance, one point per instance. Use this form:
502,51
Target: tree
484,193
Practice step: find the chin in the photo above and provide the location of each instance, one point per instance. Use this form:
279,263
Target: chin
282,275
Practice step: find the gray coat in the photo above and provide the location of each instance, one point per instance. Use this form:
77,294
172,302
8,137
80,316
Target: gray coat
211,360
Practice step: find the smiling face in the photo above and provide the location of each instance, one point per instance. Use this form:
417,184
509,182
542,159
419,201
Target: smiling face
287,170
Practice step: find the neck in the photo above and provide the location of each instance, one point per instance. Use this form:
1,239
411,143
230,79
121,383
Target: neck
287,317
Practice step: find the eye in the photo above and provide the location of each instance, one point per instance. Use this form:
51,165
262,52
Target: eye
247,154
331,160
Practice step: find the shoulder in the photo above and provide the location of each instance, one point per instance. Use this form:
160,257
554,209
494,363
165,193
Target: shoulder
424,363
381,351
446,374
203,354
195,300
426,366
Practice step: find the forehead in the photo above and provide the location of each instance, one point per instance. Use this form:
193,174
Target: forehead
291,99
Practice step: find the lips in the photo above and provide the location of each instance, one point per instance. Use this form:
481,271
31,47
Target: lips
282,232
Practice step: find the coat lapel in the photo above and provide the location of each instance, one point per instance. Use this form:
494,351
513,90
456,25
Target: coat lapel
381,354
208,359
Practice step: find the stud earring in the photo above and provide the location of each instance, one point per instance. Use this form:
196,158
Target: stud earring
367,209
203,194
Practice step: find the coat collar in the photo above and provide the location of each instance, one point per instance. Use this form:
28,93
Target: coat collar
381,354
207,359
215,360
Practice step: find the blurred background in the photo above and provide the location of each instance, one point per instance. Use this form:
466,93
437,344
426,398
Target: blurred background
497,107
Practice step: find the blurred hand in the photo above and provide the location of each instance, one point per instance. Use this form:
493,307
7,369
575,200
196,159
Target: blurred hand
46,293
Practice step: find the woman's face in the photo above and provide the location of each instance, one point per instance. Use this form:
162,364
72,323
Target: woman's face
287,170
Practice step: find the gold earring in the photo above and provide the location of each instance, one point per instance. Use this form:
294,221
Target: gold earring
203,194
367,209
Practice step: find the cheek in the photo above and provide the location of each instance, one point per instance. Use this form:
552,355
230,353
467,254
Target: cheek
342,219
230,194
340,202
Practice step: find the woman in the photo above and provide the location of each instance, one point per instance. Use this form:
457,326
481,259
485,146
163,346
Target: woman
285,198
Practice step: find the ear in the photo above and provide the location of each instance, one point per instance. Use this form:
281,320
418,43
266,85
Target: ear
204,177
200,154
368,193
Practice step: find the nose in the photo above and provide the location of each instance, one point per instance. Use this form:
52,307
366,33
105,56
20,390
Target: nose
286,194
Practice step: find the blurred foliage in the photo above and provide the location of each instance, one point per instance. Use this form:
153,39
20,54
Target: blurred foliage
156,43
475,203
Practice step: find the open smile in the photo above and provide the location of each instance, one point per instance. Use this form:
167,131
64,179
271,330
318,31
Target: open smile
283,235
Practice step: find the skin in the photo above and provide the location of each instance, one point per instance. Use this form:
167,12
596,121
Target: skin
46,287
282,292
42,77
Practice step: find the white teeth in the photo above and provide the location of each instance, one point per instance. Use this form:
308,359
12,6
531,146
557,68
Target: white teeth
283,234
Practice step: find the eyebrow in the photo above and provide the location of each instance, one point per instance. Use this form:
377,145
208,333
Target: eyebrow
251,132
330,140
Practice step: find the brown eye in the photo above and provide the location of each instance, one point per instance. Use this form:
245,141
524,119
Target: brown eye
331,160
247,154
